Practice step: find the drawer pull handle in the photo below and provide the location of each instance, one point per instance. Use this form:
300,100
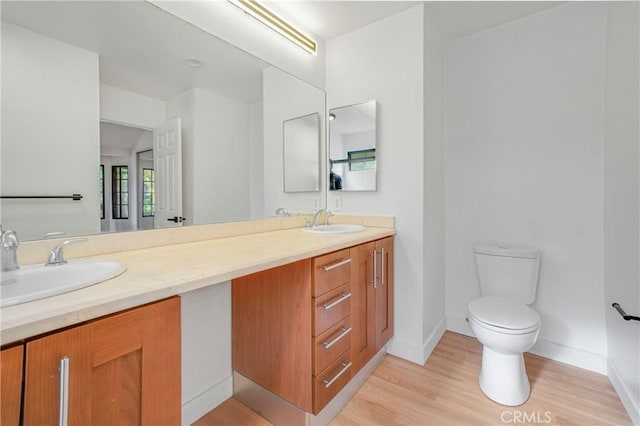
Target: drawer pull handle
345,367
344,332
63,406
339,300
383,260
327,268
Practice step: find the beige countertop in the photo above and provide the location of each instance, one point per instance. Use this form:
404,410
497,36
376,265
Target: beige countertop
159,272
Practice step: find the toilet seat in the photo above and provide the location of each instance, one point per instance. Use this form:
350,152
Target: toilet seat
504,315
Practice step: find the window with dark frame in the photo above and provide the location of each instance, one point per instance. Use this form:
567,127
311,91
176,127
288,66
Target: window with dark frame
362,160
148,193
101,191
120,192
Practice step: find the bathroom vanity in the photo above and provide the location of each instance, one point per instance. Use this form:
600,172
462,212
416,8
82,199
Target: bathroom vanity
122,337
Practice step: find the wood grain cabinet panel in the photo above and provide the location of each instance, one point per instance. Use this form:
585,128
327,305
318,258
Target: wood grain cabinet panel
271,317
330,308
122,369
330,271
330,345
371,300
10,385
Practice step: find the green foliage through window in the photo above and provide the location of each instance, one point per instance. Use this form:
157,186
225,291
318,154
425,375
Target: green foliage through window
362,160
120,192
148,193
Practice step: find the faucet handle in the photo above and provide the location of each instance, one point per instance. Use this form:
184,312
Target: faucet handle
9,239
56,256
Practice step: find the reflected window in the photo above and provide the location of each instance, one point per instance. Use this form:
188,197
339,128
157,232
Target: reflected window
362,160
148,193
120,192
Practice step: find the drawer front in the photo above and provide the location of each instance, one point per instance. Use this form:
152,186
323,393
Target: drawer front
331,381
330,308
330,271
330,345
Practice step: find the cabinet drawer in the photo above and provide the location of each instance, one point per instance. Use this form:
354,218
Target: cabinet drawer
330,308
331,381
330,271
330,345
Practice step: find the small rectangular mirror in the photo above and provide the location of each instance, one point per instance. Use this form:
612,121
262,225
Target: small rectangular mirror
352,147
302,154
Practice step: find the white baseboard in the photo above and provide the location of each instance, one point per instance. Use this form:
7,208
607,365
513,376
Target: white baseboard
629,402
406,350
201,404
572,356
555,351
433,340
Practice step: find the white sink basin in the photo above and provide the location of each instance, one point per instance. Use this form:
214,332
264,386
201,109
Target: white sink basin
338,228
38,281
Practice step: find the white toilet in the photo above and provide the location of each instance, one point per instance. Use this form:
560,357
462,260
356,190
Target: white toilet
502,321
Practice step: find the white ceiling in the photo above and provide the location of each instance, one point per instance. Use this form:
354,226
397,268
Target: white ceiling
142,48
331,19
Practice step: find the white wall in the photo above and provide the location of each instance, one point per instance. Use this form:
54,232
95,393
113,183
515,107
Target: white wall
621,201
206,350
59,146
524,165
301,145
286,97
123,107
215,149
384,61
229,23
433,266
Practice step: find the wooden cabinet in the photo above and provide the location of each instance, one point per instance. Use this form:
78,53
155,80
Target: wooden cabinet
122,369
303,330
10,385
271,321
372,299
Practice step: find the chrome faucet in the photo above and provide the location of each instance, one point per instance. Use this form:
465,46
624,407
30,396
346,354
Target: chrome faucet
9,260
316,216
282,210
56,255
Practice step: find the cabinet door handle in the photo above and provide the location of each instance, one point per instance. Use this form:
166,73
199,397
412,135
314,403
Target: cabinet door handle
343,332
345,367
338,264
63,410
340,299
383,260
375,269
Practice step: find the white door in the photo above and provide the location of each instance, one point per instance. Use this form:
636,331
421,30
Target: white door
167,162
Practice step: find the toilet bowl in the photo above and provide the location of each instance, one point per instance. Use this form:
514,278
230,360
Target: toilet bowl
506,328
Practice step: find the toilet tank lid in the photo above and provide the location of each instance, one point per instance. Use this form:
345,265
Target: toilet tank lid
507,251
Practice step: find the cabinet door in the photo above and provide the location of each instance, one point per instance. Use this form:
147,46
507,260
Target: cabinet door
384,292
271,317
363,335
10,385
123,369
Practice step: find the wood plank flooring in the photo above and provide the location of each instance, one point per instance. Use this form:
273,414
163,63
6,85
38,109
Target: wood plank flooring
445,391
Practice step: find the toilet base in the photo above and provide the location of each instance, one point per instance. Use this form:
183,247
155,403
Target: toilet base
503,377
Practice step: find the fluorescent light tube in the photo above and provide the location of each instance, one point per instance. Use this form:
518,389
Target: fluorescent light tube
276,23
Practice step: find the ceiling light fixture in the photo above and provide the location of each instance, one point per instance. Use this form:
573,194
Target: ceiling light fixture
276,23
193,62
332,117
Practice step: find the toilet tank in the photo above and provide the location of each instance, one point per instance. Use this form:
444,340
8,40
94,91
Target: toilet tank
510,272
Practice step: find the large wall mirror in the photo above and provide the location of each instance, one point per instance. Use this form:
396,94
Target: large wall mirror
90,88
352,148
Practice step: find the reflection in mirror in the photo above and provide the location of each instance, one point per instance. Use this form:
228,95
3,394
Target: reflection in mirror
352,147
302,154
84,85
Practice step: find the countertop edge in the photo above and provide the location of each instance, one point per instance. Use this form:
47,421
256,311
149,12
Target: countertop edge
15,328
